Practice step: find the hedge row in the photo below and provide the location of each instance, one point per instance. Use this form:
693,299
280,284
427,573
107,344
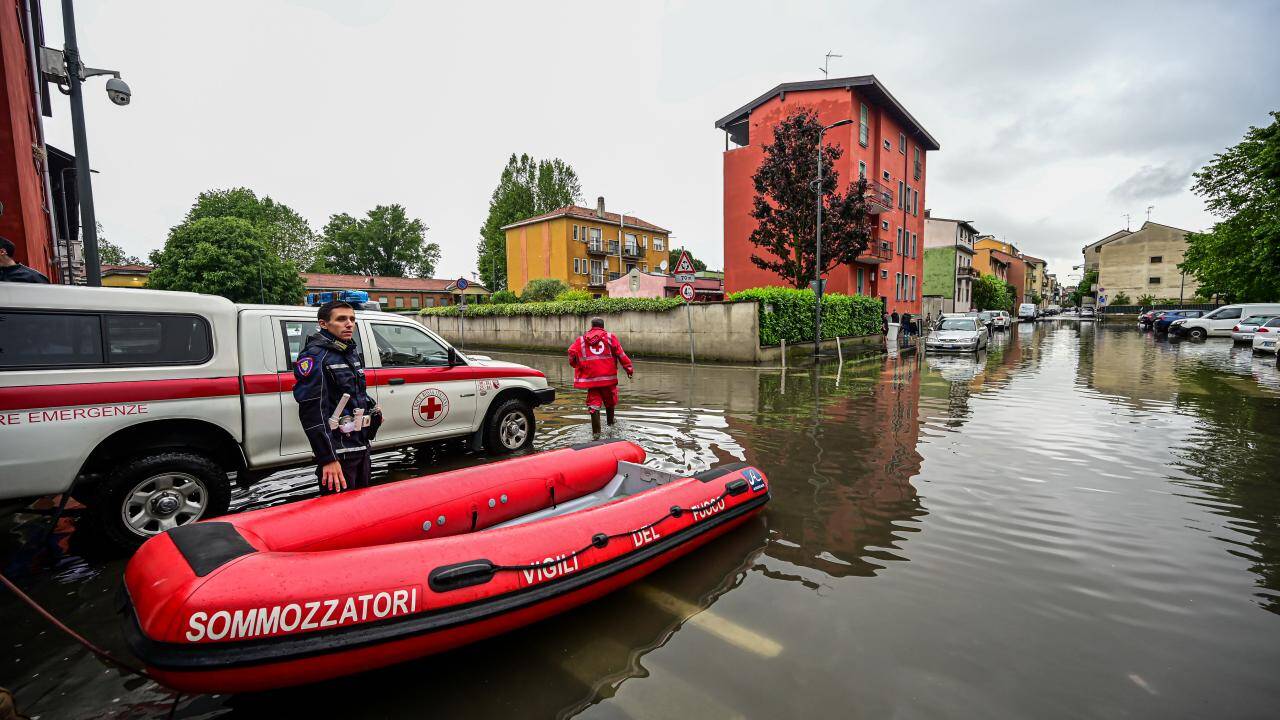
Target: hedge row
787,314
598,306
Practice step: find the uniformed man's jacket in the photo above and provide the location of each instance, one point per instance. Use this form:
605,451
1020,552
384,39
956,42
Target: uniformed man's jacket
595,357
325,369
21,273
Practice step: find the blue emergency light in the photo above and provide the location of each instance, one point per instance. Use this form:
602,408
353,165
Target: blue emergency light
355,297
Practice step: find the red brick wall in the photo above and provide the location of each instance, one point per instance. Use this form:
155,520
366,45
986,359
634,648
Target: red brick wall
21,184
832,105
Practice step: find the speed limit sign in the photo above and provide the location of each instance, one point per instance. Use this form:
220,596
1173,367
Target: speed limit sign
686,291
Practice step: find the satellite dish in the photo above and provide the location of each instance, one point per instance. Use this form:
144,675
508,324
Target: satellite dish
662,266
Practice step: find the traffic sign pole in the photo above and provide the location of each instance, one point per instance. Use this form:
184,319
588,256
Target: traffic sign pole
462,285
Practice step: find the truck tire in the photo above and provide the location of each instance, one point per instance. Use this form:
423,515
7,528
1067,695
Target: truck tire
1196,333
510,427
153,493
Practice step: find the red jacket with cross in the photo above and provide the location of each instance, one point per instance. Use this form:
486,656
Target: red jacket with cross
594,357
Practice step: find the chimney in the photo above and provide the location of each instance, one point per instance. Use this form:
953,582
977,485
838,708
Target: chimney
600,207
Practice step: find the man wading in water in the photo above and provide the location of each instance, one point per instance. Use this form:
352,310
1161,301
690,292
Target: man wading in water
595,357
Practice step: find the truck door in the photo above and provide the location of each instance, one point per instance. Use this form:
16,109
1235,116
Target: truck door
420,395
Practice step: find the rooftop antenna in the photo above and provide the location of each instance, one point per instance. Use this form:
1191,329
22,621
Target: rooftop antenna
1149,209
1126,222
826,64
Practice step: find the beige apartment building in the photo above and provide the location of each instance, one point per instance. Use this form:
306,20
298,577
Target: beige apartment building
1143,262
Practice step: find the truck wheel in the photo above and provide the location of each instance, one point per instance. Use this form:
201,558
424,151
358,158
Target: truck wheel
154,493
510,427
1197,333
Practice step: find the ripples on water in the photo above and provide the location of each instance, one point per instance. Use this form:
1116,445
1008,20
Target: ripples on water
1079,522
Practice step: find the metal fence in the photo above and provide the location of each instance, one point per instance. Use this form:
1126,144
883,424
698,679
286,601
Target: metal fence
1135,309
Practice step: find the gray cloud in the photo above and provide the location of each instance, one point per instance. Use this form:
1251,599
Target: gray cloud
1151,182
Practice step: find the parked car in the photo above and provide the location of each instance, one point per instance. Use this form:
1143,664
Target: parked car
1146,319
1027,311
1267,337
963,334
1242,332
1165,319
140,403
1086,313
1000,319
987,318
1219,322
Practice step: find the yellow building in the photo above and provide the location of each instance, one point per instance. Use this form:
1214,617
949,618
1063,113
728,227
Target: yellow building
128,276
582,247
1144,262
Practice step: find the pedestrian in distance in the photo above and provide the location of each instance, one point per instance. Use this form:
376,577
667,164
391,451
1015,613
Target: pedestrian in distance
337,414
595,357
908,328
13,271
894,317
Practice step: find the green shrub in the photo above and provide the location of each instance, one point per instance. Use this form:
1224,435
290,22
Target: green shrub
599,306
787,314
542,290
1121,298
573,296
1147,300
504,297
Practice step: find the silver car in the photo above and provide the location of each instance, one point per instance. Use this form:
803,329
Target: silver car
1243,331
957,334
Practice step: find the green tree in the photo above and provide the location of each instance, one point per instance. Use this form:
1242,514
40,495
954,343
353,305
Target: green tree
504,297
526,187
110,253
1121,298
1240,257
384,242
1083,290
1147,300
225,256
286,233
543,290
674,256
990,293
785,201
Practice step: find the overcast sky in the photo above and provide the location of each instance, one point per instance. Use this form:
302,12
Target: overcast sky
1053,121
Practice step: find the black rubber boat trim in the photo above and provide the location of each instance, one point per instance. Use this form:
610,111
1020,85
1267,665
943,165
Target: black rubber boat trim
720,471
596,443
215,656
208,546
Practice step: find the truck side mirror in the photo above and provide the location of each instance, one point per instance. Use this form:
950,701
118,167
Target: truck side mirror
453,356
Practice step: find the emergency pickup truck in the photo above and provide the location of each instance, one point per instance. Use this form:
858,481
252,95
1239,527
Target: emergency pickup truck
142,403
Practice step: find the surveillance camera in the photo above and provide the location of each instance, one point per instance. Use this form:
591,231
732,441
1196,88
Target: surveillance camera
118,91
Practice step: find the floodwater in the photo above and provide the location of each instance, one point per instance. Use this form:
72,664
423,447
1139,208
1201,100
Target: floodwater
1083,521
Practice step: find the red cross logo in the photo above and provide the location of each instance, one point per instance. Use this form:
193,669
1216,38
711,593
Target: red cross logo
431,407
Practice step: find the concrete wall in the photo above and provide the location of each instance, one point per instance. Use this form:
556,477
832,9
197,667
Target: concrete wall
724,332
1125,264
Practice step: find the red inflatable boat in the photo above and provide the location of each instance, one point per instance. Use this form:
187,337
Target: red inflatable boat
350,582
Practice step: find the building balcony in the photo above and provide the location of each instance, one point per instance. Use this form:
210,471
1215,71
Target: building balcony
878,251
967,273
634,251
879,197
602,248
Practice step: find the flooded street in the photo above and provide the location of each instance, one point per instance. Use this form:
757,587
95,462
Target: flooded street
1083,521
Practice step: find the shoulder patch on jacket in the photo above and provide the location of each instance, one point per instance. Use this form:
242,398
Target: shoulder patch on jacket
306,365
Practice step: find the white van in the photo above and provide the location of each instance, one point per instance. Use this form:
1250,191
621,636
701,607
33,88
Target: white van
1027,311
1219,322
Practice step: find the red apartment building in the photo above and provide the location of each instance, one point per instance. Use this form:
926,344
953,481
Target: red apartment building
884,143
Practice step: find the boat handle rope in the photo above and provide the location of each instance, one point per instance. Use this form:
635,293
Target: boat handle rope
600,540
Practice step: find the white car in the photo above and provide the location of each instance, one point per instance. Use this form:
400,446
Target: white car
957,334
1220,322
1242,332
1027,312
140,403
1086,313
1267,336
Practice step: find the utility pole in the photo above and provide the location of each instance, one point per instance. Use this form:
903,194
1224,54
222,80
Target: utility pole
84,185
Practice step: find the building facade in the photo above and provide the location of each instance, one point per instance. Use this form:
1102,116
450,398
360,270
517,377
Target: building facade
948,262
638,284
1093,251
398,293
883,143
1144,262
1002,259
127,276
1036,281
582,247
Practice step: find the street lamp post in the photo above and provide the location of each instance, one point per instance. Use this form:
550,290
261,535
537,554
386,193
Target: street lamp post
817,264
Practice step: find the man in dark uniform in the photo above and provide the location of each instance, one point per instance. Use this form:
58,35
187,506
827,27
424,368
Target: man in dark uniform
13,271
337,414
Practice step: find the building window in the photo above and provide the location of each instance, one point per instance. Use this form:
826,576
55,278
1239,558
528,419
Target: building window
884,274
864,125
917,169
413,301
1157,258
885,175
897,286
431,302
884,225
575,236
400,301
860,272
593,234
862,171
577,267
644,241
383,301
658,244
902,196
899,245
888,145
644,268
1153,281
915,245
902,143
915,203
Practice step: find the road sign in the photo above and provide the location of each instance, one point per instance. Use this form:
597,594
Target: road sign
462,283
686,291
684,266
